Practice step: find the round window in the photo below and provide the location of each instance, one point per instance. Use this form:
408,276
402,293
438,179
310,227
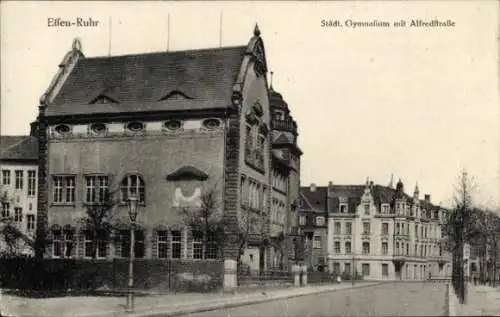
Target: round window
135,126
173,125
211,123
98,128
62,129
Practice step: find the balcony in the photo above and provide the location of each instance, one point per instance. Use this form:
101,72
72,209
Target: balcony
283,125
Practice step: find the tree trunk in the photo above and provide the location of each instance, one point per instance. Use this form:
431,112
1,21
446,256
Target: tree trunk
94,244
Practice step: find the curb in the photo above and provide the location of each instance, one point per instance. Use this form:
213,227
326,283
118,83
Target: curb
217,306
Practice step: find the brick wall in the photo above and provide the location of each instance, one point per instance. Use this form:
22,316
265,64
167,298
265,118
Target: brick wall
231,184
42,203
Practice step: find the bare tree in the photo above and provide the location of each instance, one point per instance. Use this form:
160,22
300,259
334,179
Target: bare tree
207,220
13,237
99,219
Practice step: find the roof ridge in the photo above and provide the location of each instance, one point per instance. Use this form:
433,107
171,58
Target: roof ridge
166,52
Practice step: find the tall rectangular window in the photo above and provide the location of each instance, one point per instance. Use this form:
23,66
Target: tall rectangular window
162,244
337,247
348,247
197,245
385,248
211,248
64,189
30,223
302,220
18,214
365,269
366,228
348,228
385,228
336,267
19,179
5,210
317,242
57,244
337,227
385,269
343,208
367,209
6,177
101,244
176,244
366,248
347,267
96,188
31,183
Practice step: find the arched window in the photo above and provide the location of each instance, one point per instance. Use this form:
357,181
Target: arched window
132,185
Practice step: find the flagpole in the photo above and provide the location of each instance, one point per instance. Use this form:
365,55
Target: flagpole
168,33
109,37
220,29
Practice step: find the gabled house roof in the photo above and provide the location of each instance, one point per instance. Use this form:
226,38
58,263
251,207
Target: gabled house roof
317,200
18,147
143,82
352,194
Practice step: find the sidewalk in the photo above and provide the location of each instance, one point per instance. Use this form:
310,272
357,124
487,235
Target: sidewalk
480,301
158,305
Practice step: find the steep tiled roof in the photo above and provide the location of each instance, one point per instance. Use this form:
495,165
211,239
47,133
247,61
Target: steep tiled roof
383,194
352,193
305,205
18,147
139,83
317,198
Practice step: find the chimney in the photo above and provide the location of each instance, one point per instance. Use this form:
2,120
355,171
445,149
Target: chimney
313,187
427,198
330,189
34,128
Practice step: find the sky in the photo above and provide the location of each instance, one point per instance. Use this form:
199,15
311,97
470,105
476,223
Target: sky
419,103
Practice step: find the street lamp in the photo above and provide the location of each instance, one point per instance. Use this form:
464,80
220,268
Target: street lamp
132,211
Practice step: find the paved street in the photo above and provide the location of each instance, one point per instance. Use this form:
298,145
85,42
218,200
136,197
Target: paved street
391,299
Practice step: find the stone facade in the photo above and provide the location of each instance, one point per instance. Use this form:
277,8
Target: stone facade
19,178
313,221
380,232
170,142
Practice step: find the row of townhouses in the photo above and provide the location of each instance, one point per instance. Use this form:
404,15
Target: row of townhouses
171,127
376,231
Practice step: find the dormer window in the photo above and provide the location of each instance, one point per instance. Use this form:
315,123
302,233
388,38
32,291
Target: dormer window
343,208
135,126
211,124
63,129
173,125
385,208
103,99
175,94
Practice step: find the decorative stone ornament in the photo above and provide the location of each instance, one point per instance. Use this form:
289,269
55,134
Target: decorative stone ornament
77,44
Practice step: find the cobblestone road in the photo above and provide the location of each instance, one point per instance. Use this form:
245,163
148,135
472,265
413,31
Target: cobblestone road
391,299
